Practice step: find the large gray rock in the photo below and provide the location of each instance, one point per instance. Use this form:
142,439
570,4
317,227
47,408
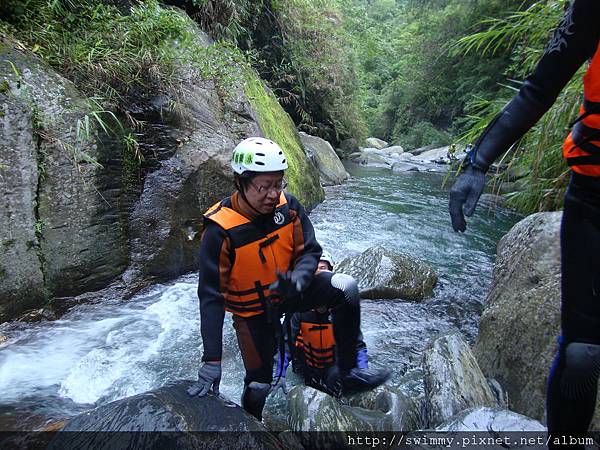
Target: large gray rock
166,222
327,161
492,420
394,150
370,157
382,409
520,321
383,273
492,201
453,379
347,147
418,151
172,416
21,278
375,143
71,221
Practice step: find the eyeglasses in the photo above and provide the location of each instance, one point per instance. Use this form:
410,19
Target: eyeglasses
279,186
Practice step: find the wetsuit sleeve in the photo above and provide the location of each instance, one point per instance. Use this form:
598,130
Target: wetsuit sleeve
574,41
307,250
215,267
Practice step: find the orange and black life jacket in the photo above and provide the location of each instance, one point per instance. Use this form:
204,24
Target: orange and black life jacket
582,147
317,343
257,255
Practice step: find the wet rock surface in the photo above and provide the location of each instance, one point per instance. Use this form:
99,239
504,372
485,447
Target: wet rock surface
384,273
158,418
453,380
492,420
520,321
326,160
382,409
69,230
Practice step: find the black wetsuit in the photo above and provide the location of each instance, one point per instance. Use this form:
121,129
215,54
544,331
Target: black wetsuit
574,42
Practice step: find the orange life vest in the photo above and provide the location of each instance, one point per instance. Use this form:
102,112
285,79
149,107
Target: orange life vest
317,342
257,256
582,147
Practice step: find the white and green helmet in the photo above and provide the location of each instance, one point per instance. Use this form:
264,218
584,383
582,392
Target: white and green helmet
326,256
258,154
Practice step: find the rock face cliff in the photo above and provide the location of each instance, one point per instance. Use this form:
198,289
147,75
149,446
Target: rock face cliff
82,210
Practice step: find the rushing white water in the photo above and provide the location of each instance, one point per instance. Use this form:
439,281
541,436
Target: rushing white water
106,351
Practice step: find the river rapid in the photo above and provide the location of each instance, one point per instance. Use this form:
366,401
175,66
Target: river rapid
50,371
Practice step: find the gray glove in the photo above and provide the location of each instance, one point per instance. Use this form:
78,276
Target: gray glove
466,191
209,376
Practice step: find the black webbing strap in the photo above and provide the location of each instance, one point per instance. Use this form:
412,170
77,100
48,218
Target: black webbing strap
264,244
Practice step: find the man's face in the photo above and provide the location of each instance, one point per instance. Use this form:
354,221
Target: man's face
263,191
323,265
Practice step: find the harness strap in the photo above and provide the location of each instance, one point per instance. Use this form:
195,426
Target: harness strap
264,244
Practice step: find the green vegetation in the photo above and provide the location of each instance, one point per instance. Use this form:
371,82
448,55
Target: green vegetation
39,228
109,53
413,89
277,125
411,72
302,50
114,56
4,87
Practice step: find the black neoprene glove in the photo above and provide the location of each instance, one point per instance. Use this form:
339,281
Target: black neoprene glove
286,285
465,194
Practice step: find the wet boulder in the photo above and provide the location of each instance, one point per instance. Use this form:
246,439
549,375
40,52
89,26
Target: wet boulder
521,317
21,277
165,418
321,152
60,223
405,167
371,157
384,273
492,420
394,150
418,151
453,379
382,409
492,201
375,143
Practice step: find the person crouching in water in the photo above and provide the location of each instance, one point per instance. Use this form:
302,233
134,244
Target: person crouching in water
258,257
313,344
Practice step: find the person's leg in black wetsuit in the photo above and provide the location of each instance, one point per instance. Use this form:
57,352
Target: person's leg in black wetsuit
572,384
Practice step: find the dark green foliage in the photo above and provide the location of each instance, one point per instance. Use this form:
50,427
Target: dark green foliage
301,49
411,85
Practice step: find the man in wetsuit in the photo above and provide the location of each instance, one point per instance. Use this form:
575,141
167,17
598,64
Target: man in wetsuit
571,395
258,257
